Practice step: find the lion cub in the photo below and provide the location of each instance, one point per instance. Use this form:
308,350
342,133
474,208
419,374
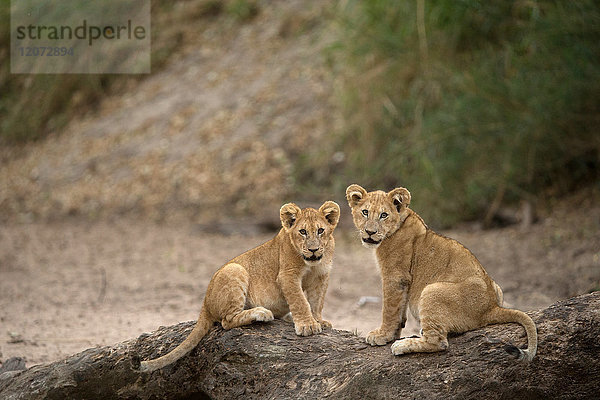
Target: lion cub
442,282
270,280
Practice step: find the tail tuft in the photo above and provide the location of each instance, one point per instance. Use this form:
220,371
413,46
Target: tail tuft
501,315
518,353
135,361
513,351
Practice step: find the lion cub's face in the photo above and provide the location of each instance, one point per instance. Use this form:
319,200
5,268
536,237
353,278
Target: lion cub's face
310,230
377,214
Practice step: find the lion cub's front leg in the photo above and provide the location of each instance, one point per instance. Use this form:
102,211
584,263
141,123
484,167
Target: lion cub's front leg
393,313
304,322
316,287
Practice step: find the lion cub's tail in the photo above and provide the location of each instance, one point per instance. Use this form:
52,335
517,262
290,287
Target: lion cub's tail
504,315
200,330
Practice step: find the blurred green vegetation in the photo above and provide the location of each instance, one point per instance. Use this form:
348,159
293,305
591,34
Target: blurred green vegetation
469,104
31,106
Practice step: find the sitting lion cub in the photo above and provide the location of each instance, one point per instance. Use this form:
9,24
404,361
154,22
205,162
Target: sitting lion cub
441,281
270,280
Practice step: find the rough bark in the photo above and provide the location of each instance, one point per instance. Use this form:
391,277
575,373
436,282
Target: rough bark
268,360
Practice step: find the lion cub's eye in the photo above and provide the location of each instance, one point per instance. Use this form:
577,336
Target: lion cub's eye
365,213
383,215
303,232
320,231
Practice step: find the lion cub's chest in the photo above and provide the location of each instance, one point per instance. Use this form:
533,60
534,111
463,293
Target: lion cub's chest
264,290
316,270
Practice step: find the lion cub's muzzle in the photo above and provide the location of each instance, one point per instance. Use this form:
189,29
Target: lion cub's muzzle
314,254
312,258
370,240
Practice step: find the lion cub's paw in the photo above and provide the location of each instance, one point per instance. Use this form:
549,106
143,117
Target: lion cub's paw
307,329
262,314
377,338
404,346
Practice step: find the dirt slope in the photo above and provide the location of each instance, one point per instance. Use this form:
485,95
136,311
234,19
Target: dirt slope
221,124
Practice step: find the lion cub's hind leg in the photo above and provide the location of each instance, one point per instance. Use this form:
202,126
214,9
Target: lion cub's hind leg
445,307
226,298
246,317
431,340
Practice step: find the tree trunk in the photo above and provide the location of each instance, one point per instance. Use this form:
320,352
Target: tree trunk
267,360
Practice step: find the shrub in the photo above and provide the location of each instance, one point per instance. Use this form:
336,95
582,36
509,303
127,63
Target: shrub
468,103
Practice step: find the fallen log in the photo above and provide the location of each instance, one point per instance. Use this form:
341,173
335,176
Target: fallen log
267,360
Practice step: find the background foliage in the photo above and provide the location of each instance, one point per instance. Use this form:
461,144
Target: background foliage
468,103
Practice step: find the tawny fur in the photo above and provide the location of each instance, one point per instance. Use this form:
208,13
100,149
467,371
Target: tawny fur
270,280
438,279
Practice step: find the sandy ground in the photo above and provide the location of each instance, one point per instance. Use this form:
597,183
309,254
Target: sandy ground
70,285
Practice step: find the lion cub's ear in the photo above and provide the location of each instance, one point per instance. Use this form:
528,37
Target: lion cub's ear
331,212
400,197
354,194
289,214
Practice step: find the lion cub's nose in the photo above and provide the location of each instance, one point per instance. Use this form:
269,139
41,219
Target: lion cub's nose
313,250
370,232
